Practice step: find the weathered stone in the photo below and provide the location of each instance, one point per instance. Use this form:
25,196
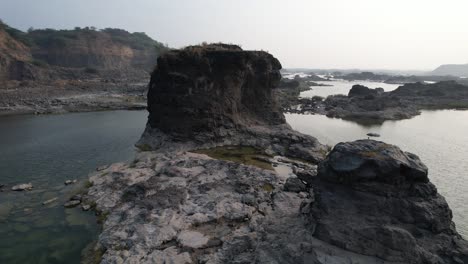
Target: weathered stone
192,239
372,161
22,187
376,200
68,182
294,184
72,203
206,88
50,201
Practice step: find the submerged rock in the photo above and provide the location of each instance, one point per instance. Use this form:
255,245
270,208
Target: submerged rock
72,203
376,200
22,187
68,182
50,201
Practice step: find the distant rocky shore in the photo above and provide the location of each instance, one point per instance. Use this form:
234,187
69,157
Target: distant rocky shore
72,96
84,69
363,104
221,178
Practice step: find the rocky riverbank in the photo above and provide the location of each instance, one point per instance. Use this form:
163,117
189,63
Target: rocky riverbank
290,200
367,105
72,96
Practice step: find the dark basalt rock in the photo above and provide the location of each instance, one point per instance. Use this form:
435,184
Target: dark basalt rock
217,95
376,200
360,90
371,161
204,88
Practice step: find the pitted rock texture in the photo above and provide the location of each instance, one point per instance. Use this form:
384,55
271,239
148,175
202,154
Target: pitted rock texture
188,208
211,87
376,200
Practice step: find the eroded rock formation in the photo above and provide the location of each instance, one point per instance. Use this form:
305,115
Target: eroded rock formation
219,94
201,89
367,202
374,199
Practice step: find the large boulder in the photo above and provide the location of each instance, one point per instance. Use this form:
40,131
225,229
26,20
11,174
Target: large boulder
205,88
361,90
372,161
376,200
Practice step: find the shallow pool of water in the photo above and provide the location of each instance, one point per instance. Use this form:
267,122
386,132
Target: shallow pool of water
46,151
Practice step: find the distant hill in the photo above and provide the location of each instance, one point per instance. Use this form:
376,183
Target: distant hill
460,70
50,53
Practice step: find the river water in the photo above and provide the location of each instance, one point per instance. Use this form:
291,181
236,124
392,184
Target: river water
439,138
46,151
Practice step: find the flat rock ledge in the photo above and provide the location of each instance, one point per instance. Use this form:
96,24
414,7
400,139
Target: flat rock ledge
183,207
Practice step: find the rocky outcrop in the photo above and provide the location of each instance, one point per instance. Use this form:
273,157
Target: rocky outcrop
361,90
218,94
368,202
201,89
374,199
366,105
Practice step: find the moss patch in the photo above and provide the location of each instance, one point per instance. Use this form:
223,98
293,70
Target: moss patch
239,154
144,147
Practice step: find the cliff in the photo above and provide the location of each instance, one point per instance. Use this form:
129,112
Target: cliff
219,94
14,55
205,88
81,53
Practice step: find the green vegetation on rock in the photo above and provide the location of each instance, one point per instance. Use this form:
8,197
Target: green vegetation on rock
239,154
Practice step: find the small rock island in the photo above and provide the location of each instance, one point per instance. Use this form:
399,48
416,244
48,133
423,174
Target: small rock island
366,105
183,200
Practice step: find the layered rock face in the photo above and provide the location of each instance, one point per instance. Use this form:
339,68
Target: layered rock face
45,55
374,199
205,88
13,57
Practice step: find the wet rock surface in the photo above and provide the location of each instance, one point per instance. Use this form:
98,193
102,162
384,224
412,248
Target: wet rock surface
22,187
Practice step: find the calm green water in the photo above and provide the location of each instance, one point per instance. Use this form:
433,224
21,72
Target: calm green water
46,151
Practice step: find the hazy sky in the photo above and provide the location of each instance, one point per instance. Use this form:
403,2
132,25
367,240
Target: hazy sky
385,34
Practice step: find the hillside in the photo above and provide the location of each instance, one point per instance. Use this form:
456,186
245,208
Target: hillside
74,54
460,70
13,55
